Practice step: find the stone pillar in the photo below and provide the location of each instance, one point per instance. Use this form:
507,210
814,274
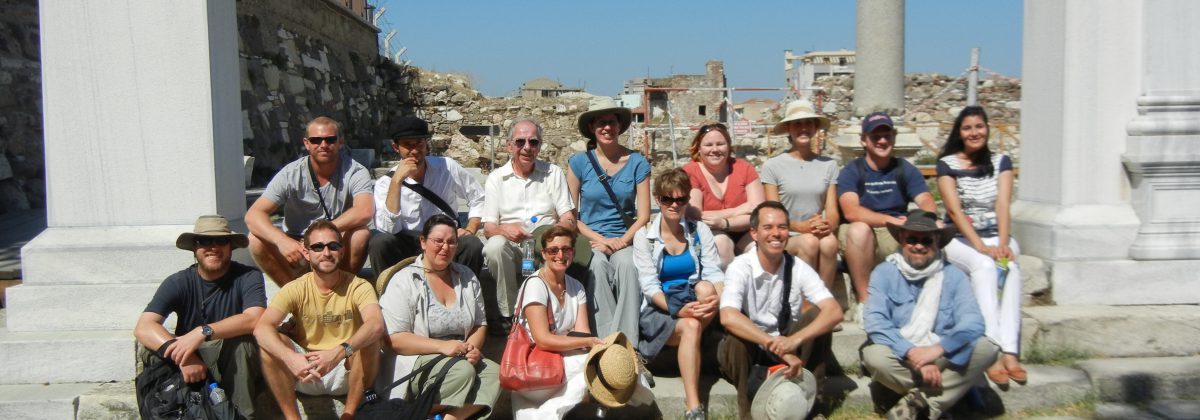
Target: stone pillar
1076,204
142,135
879,57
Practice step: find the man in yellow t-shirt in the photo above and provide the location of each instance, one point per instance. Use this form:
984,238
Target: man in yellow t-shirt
334,347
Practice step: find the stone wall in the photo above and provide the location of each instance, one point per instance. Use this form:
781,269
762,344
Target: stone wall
22,173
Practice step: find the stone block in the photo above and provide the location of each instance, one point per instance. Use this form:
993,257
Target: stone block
1140,380
1118,331
1177,409
1162,282
65,357
105,255
110,401
38,401
106,307
1118,411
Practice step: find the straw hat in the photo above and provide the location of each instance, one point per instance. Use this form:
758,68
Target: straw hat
781,398
611,371
211,226
926,222
603,105
800,110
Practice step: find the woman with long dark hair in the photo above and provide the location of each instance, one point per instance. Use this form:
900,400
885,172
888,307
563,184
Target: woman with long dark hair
977,186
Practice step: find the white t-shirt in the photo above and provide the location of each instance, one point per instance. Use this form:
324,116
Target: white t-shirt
564,315
512,199
759,294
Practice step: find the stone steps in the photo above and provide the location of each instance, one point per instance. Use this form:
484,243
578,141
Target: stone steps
36,401
1115,331
65,357
97,255
77,307
1144,379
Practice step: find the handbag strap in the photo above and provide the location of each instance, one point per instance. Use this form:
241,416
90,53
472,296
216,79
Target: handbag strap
429,196
312,175
603,176
521,302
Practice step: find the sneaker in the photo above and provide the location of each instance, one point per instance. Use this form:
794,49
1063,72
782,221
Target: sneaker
641,366
909,407
695,413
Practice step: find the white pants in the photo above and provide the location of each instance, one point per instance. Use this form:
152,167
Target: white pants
1001,314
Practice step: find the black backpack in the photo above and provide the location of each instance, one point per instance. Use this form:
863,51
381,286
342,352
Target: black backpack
373,408
162,394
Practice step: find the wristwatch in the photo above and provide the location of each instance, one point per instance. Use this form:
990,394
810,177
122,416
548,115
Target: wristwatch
207,331
349,350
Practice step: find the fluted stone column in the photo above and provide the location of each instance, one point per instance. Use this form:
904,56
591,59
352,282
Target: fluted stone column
879,57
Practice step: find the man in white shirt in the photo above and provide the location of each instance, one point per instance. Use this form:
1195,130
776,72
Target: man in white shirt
761,329
523,188
418,187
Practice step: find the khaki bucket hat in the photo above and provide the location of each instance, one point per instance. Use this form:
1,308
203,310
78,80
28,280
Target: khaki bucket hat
603,105
211,226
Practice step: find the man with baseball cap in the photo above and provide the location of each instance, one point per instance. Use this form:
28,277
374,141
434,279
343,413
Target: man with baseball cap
216,302
418,187
875,190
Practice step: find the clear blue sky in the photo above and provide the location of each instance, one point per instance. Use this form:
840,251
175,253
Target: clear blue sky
501,44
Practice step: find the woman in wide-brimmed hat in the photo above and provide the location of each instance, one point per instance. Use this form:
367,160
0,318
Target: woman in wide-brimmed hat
611,186
724,190
805,182
976,187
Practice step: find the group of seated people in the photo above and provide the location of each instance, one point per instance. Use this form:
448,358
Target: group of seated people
939,299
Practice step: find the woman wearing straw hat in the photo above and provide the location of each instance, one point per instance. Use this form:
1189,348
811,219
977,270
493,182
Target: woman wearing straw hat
433,307
724,190
805,182
611,185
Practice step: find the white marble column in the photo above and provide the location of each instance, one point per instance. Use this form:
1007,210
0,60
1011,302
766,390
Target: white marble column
142,135
879,57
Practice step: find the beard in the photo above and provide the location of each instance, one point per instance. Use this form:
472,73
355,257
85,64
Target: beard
325,266
920,261
206,265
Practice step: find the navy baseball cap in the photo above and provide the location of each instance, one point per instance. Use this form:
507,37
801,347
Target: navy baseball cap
875,120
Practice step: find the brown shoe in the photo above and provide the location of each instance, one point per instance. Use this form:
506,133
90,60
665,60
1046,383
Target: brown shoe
998,376
1018,375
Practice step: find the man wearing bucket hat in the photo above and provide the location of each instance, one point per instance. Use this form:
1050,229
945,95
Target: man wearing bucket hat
419,187
216,301
875,190
923,324
524,188
324,184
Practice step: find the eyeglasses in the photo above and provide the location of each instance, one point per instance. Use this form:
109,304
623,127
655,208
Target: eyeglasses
704,129
668,200
320,246
315,141
533,143
559,250
926,241
443,242
211,241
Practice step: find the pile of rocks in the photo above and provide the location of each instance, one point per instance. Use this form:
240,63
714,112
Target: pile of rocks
22,184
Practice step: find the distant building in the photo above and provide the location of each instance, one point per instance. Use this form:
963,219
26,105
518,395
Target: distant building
801,71
544,88
757,110
705,101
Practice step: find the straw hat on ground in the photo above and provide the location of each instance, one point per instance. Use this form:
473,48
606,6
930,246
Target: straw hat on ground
611,371
781,398
603,105
800,110
211,226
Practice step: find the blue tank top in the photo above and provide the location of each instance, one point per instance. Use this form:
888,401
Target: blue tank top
676,268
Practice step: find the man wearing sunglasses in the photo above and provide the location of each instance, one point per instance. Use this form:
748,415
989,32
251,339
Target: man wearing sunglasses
324,185
923,323
217,302
417,188
333,346
523,188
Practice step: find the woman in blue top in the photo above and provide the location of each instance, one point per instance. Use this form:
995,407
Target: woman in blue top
681,278
611,185
976,187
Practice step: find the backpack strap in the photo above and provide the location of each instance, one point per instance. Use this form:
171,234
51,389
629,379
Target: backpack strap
428,195
785,312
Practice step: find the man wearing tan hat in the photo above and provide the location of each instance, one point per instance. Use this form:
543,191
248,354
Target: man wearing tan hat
217,302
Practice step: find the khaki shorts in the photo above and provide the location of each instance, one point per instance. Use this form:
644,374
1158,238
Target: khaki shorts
885,244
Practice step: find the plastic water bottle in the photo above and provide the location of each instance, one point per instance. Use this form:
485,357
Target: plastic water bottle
1001,272
527,262
215,394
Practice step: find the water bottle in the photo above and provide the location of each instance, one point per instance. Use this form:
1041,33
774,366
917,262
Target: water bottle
527,263
1001,272
216,395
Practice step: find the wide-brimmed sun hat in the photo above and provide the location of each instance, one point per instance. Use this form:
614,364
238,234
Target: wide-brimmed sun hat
611,371
211,226
800,110
926,222
781,398
603,105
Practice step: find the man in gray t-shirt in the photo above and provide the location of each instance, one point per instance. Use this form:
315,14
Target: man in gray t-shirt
344,197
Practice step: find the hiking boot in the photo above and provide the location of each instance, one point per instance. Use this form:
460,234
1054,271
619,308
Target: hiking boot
695,413
909,407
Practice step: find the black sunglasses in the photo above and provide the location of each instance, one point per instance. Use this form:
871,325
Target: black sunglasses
533,143
210,241
668,200
704,129
926,241
320,246
317,140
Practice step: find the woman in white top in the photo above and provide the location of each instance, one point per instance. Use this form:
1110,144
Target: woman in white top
976,187
552,291
433,307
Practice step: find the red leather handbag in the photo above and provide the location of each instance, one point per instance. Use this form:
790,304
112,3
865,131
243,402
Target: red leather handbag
524,366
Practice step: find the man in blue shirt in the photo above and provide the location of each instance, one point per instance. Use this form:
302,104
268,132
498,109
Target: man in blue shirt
875,190
923,322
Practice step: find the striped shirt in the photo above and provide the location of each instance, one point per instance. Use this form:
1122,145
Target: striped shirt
976,190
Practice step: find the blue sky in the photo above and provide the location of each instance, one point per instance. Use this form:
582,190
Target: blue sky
501,44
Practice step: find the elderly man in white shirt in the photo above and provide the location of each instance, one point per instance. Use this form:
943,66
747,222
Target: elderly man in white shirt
761,329
523,188
419,187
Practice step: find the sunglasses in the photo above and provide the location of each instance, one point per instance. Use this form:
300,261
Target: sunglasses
217,241
668,200
320,246
926,241
533,143
559,250
600,122
704,129
317,140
